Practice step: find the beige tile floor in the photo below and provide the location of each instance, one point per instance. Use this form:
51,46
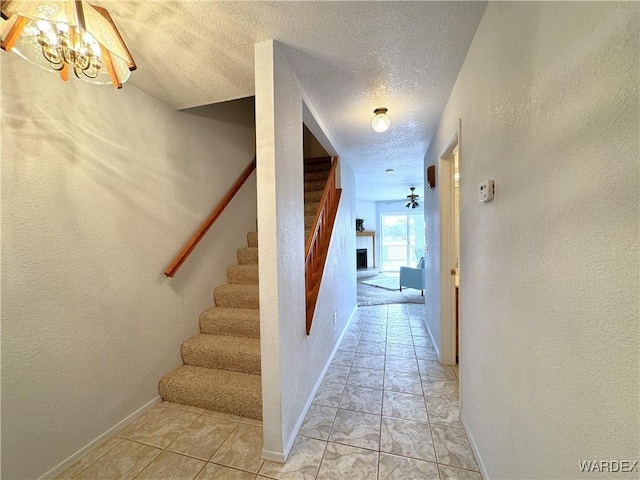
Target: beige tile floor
386,410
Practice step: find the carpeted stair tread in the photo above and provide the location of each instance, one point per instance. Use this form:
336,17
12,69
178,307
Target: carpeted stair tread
243,274
236,296
248,256
240,322
314,185
218,390
252,239
238,354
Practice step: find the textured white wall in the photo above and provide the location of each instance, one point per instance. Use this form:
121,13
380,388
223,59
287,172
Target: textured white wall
548,97
292,361
100,188
367,210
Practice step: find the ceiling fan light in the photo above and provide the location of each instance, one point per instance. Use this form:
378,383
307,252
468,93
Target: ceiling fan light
381,120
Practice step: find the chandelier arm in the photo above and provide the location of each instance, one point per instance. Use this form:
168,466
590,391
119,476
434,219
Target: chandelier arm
68,55
91,71
53,56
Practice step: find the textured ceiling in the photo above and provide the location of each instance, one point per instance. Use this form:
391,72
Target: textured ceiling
351,57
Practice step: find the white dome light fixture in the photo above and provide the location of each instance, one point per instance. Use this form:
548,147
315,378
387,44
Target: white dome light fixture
381,121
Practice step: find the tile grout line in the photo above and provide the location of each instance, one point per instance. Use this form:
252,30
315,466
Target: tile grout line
384,383
89,453
165,448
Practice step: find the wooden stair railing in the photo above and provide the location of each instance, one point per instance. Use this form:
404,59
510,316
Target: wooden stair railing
317,244
206,225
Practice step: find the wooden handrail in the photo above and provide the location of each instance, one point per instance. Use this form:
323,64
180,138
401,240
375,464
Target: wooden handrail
317,244
329,186
206,225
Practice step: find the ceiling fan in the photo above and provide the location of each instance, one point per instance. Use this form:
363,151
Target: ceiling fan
412,199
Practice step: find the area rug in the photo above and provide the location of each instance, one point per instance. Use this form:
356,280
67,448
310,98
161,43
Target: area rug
374,295
388,282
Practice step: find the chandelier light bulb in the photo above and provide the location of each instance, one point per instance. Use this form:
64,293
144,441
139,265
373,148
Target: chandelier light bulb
43,26
381,120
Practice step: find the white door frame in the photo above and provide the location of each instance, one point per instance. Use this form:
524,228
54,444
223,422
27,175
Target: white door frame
446,207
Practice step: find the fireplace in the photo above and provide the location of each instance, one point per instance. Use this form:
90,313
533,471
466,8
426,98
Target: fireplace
361,258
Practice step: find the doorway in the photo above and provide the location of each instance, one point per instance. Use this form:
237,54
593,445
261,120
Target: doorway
456,241
402,240
451,271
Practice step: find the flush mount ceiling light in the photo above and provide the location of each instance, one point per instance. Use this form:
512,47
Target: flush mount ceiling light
381,121
63,35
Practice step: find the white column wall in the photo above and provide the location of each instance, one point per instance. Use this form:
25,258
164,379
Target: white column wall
292,362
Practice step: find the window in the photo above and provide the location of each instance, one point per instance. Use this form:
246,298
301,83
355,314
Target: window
402,238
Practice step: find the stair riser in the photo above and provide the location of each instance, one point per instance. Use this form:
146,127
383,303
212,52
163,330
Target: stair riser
316,160
248,256
243,276
244,361
252,239
231,322
312,197
311,208
314,186
236,300
315,176
321,167
213,327
214,401
220,391
308,221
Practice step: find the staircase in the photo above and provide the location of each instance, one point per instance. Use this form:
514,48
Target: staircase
221,370
316,172
221,366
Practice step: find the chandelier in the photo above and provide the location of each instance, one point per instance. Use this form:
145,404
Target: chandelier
66,35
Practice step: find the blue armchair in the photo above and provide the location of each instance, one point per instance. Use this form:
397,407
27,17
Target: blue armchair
413,277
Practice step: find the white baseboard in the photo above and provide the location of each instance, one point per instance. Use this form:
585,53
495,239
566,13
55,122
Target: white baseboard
61,467
282,457
474,447
433,340
273,456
